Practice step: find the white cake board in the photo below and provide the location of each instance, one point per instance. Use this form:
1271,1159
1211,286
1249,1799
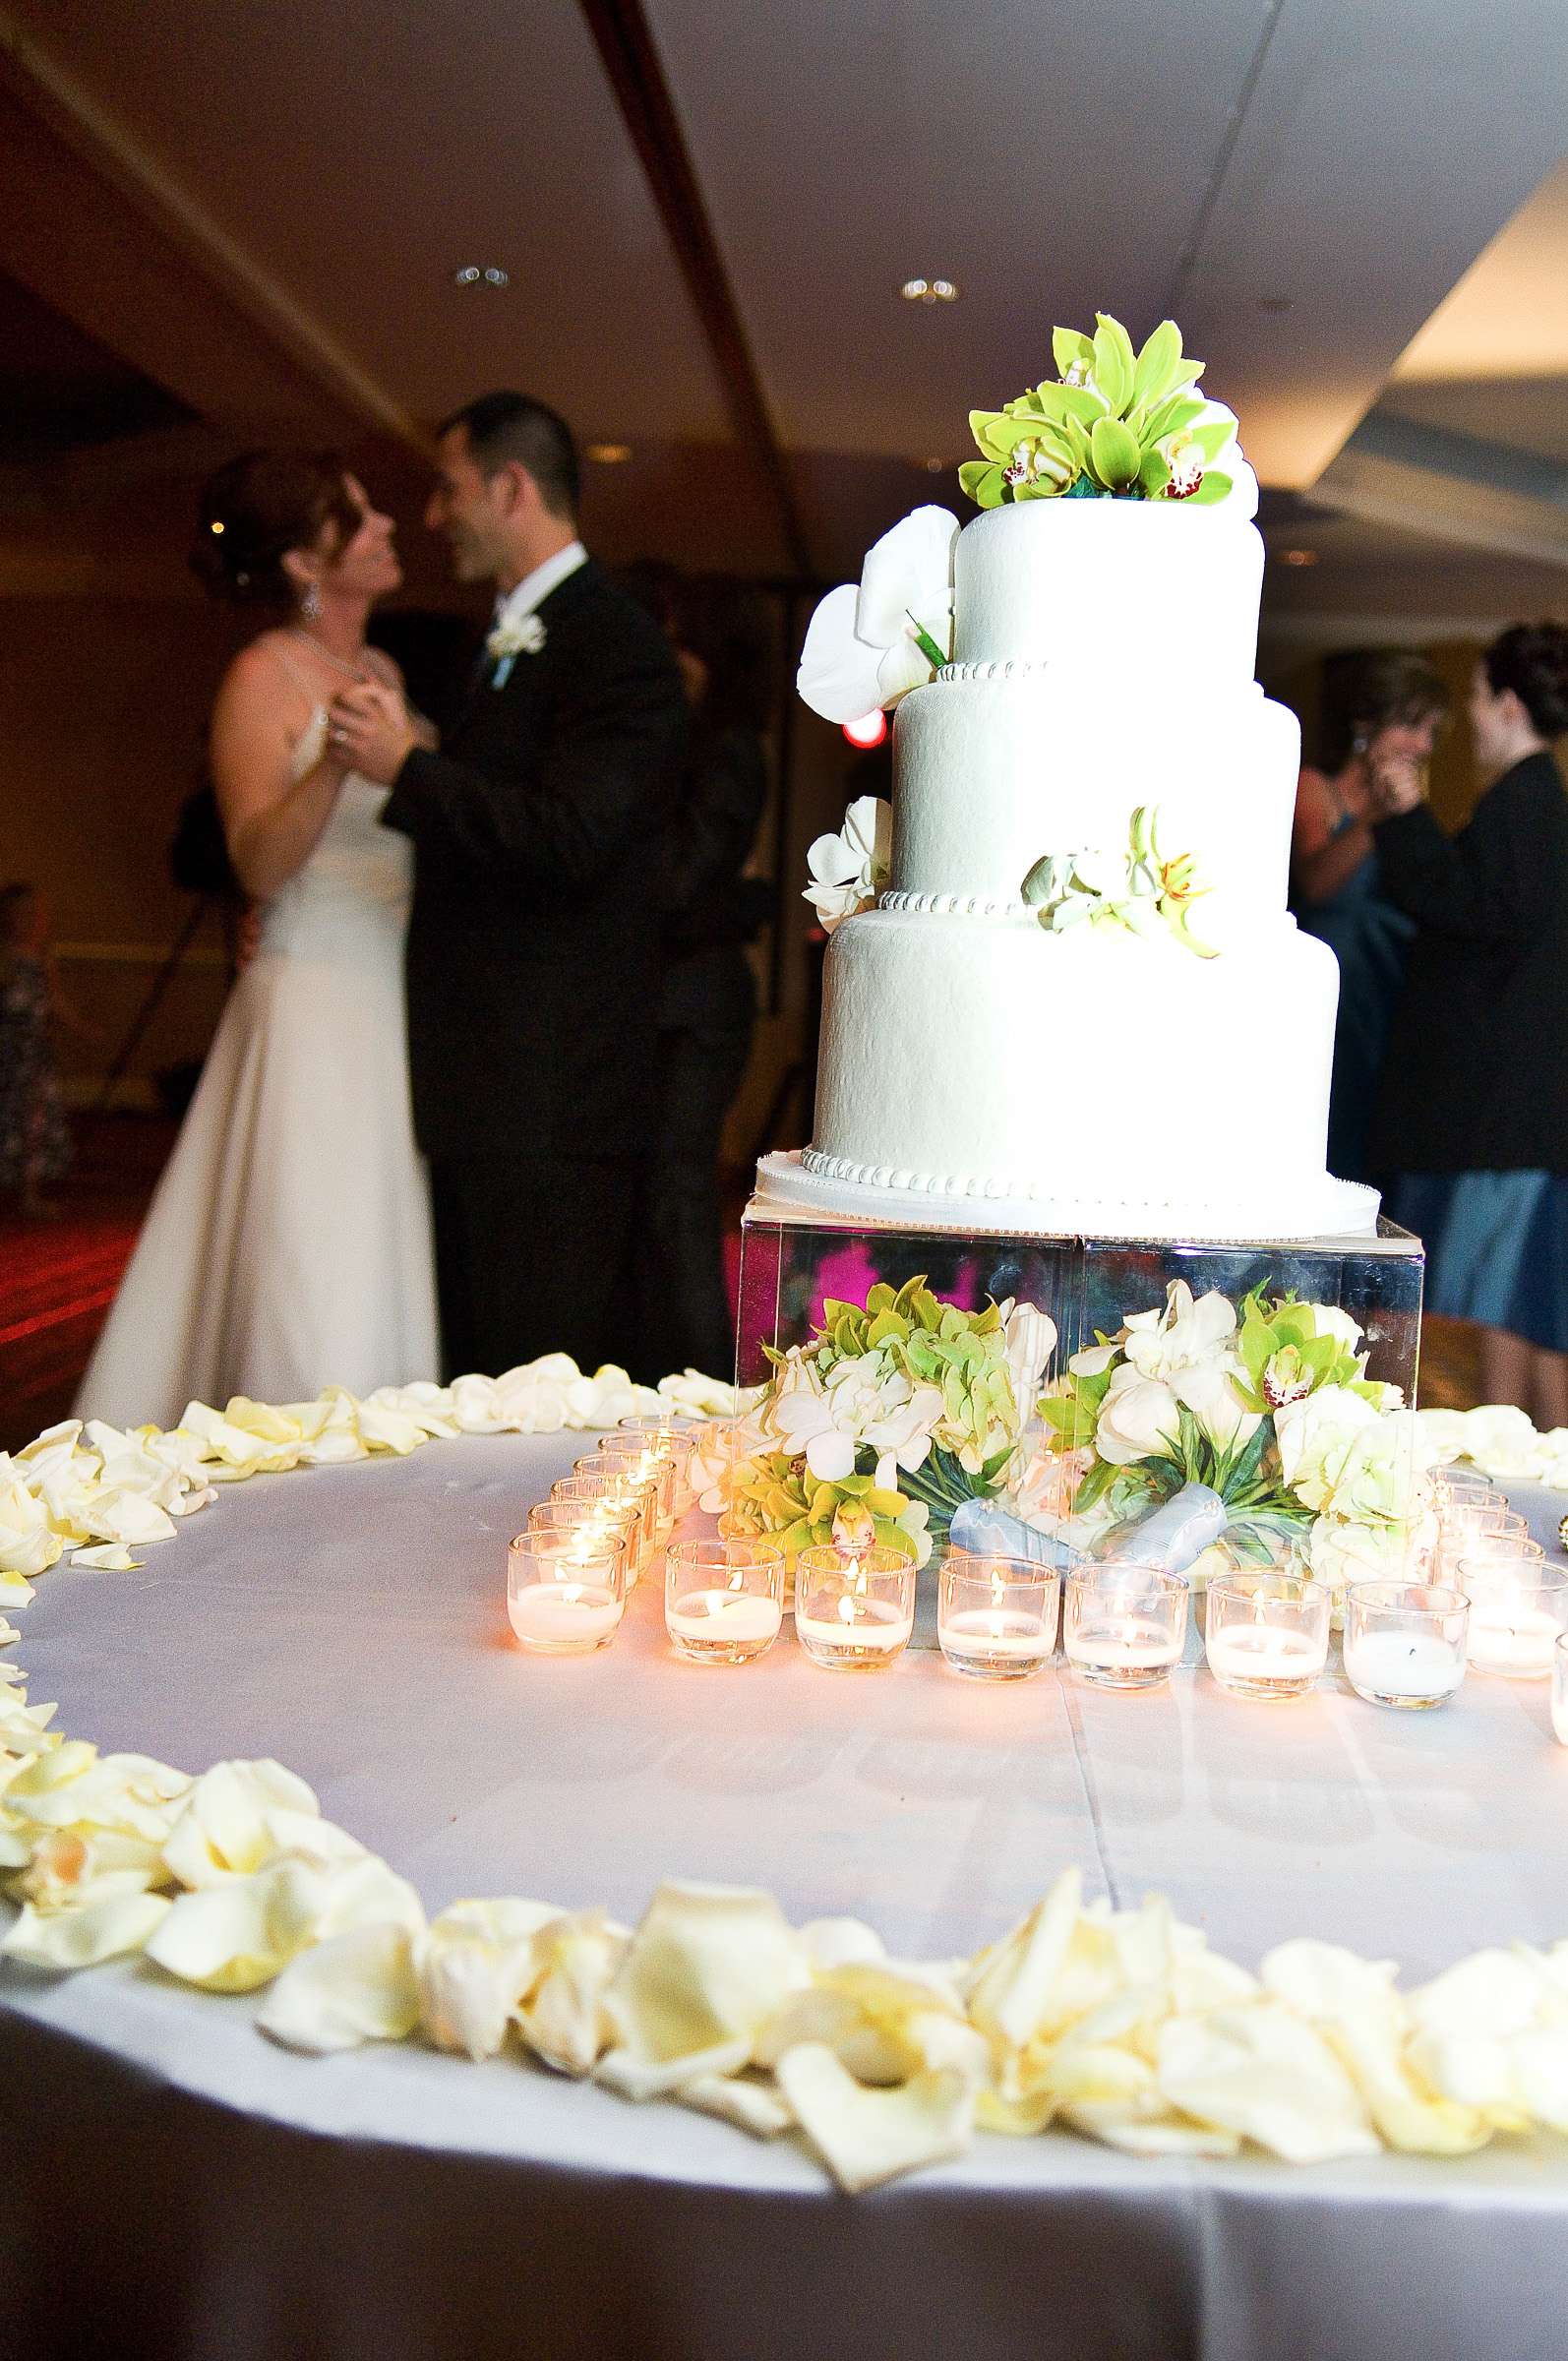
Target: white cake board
1328,1213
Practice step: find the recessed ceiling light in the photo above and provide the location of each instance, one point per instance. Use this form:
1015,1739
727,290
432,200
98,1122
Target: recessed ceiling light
481,274
1299,557
929,290
607,455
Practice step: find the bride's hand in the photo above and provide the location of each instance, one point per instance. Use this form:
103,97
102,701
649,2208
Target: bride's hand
370,733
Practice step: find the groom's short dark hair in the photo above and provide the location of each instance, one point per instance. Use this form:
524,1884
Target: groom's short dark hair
509,426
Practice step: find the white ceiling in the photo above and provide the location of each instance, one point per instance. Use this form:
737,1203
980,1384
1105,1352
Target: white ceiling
1348,159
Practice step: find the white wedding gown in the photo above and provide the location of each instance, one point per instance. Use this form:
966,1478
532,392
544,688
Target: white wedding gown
289,1246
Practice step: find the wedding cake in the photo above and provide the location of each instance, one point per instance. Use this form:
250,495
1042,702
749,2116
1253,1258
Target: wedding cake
1067,996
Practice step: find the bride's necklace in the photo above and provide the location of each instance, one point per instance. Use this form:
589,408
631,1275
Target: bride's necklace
356,672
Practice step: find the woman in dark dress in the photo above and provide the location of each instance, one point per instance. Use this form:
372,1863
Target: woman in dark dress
1382,705
1474,1111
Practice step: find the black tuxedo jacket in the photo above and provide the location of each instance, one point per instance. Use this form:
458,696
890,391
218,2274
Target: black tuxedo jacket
533,942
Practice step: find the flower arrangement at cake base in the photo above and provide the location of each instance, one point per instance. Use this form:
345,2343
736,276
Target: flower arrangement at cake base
1220,1433
884,1423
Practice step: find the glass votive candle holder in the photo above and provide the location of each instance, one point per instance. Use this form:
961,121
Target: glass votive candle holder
723,1599
1559,1689
602,1492
675,1435
996,1617
644,1461
1405,1643
854,1610
1515,1618
1123,1626
566,1592
1459,1484
1265,1634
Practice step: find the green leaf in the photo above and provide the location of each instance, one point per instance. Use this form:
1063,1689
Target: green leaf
1155,370
886,1328
1213,489
983,480
878,1298
1154,474
1076,438
1095,1486
1113,363
1116,458
1070,349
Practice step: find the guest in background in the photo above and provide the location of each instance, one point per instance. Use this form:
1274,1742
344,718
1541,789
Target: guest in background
707,1007
533,950
289,1247
1382,705
1474,1111
34,1136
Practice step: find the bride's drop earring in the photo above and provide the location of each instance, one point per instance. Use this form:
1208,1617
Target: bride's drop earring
310,606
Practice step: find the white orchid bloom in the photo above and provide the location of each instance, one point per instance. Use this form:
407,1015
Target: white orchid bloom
1159,1343
850,870
1208,1388
1031,1339
862,650
1139,1418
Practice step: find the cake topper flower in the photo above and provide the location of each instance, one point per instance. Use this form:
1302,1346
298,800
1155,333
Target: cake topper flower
869,646
1114,425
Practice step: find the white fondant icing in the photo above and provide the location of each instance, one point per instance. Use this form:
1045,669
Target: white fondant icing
1115,591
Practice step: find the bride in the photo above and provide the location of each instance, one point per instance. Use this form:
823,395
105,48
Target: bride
288,1245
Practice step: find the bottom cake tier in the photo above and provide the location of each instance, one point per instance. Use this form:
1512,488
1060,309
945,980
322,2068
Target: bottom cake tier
986,1070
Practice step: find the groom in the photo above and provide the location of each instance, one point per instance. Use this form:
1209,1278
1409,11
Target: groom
532,942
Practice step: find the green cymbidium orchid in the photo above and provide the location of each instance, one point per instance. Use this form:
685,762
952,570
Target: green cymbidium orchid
1117,424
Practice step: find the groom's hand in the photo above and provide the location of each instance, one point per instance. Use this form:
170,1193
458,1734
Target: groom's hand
370,731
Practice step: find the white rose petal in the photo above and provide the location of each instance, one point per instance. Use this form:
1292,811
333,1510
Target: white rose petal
358,1986
867,2137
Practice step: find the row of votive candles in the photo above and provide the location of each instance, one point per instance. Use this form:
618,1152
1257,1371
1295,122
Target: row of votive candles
1491,1601
569,1574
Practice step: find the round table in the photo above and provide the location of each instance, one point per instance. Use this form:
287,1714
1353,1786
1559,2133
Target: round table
179,2187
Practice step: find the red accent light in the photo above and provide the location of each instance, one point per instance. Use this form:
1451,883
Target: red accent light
869,731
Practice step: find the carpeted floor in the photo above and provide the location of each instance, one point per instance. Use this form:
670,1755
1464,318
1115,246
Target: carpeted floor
57,1281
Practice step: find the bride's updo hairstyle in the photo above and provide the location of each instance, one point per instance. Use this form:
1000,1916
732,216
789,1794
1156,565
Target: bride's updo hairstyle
259,507
1531,659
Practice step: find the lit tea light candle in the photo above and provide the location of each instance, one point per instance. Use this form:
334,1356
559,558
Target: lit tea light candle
1259,1658
723,1597
565,1619
723,1618
1266,1631
566,1591
854,1612
996,1616
1510,1637
1125,1626
1559,1689
870,1626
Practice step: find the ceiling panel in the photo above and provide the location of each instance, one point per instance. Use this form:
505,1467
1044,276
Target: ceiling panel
360,152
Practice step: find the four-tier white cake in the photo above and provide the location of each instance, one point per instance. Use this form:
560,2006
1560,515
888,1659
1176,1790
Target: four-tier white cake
998,1053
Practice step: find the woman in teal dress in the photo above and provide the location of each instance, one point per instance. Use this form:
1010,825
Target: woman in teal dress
1380,705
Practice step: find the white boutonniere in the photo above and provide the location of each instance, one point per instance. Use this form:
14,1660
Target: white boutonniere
513,636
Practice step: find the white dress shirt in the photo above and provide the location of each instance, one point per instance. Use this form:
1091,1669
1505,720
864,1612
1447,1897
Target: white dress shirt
536,587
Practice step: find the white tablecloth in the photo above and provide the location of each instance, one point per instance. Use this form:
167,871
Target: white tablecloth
177,2185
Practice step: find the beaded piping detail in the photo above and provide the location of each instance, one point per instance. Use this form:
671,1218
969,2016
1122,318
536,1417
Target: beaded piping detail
956,905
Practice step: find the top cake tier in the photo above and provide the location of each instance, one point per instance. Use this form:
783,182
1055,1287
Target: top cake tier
1119,590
